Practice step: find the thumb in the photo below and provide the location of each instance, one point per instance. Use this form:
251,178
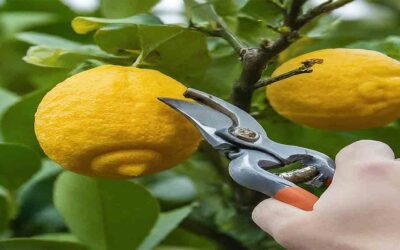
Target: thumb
274,216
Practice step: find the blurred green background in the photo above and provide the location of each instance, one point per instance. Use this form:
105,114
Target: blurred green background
191,206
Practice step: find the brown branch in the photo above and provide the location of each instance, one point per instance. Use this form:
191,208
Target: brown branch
255,60
305,68
293,12
319,10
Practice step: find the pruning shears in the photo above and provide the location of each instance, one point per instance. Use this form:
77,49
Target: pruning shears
252,154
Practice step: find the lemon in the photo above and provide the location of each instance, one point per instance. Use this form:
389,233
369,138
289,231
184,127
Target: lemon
107,122
352,89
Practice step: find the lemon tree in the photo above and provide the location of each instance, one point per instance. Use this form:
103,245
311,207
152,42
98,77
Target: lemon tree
90,159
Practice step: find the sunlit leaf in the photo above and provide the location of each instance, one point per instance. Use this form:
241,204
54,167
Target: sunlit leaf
52,51
83,25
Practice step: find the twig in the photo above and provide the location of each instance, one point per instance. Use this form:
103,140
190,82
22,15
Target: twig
210,32
319,10
231,38
293,12
305,68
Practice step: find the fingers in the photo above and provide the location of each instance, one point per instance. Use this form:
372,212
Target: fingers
361,153
275,217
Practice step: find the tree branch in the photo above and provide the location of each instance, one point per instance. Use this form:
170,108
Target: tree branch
234,41
209,32
255,60
319,10
293,12
305,68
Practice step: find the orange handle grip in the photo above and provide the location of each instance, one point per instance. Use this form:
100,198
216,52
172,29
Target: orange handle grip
298,197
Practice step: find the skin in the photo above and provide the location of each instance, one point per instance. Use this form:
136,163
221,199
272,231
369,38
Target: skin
360,209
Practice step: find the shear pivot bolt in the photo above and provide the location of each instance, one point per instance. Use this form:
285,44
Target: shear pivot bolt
245,134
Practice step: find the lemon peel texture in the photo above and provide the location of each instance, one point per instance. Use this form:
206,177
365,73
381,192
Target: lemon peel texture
107,122
352,89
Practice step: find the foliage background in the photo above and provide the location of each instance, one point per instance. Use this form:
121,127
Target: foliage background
191,206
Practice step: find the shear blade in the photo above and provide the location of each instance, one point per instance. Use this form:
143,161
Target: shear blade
206,119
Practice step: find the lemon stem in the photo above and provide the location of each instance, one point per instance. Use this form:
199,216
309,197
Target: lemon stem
305,68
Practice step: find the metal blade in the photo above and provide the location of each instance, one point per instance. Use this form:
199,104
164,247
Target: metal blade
238,116
206,119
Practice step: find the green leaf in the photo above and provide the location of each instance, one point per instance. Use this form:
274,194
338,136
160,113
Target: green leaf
50,41
186,239
119,39
184,189
166,223
105,214
35,199
17,164
166,48
39,244
217,208
52,51
57,236
228,7
389,46
252,31
83,25
388,135
263,10
85,65
200,11
210,10
5,209
124,8
7,98
17,123
220,76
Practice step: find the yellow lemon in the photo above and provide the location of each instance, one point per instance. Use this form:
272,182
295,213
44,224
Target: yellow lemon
107,122
352,89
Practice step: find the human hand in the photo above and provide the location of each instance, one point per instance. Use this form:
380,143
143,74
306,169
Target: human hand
359,210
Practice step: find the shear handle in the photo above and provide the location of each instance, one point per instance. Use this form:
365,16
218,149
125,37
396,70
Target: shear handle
245,169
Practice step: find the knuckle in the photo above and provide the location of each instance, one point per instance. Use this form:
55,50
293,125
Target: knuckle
373,167
364,151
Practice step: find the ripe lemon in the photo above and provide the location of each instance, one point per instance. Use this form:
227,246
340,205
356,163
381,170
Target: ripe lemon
107,122
352,89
